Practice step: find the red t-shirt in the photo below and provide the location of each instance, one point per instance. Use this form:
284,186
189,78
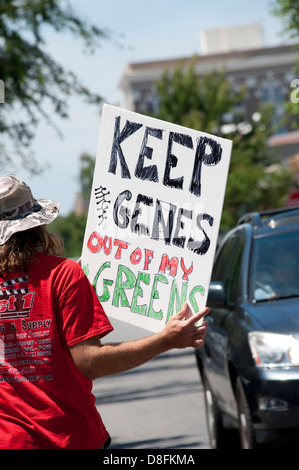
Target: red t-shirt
45,402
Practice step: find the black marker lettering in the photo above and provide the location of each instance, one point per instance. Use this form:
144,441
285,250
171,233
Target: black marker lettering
209,159
200,248
123,212
149,172
167,227
140,229
118,138
171,160
177,240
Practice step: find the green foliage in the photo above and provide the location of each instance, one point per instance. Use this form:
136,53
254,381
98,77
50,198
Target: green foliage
33,79
195,102
288,12
71,229
87,164
254,181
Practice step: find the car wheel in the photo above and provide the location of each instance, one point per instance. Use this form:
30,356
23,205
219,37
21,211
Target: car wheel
246,432
219,437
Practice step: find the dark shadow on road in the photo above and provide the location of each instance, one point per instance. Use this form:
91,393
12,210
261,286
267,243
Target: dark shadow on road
118,392
173,442
171,379
122,395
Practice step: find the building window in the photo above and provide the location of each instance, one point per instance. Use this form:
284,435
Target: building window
271,91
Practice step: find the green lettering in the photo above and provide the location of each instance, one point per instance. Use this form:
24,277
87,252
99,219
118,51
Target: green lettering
175,296
120,286
138,292
192,298
106,282
155,295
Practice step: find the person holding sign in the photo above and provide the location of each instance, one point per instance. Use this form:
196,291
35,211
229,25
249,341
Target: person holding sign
51,325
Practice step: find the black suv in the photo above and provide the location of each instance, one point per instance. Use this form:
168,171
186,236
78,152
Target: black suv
249,364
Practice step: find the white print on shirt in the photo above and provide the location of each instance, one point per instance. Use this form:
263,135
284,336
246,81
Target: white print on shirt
15,302
25,347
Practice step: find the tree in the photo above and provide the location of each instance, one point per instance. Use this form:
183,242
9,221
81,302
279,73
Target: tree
256,180
193,102
288,12
202,103
31,76
71,228
87,164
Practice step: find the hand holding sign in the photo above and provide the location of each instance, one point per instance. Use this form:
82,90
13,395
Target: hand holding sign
181,330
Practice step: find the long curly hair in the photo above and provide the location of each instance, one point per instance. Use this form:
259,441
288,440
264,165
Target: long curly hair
19,251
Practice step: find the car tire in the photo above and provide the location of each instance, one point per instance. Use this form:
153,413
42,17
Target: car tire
246,432
219,436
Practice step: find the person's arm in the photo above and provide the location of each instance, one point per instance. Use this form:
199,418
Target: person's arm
95,360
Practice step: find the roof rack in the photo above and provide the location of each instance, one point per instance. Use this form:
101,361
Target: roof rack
255,218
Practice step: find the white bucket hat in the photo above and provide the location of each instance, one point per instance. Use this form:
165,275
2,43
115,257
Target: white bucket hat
19,210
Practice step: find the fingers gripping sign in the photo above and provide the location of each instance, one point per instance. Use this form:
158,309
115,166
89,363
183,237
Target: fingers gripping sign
198,324
185,329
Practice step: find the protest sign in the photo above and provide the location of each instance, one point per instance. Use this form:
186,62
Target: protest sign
154,216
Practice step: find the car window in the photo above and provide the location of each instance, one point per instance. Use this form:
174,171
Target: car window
275,267
227,266
232,280
222,262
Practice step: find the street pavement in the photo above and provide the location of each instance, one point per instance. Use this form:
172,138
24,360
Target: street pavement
158,405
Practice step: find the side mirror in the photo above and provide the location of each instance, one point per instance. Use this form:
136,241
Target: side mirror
216,296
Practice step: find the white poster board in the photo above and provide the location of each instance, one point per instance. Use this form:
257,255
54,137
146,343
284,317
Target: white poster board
154,216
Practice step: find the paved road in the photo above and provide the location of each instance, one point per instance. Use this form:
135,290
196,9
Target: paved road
156,406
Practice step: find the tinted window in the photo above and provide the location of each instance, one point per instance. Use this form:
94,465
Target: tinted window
275,267
227,266
222,263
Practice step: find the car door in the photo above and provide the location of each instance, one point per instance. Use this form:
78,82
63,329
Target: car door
226,271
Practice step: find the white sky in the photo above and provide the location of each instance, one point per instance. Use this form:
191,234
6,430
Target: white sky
157,29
